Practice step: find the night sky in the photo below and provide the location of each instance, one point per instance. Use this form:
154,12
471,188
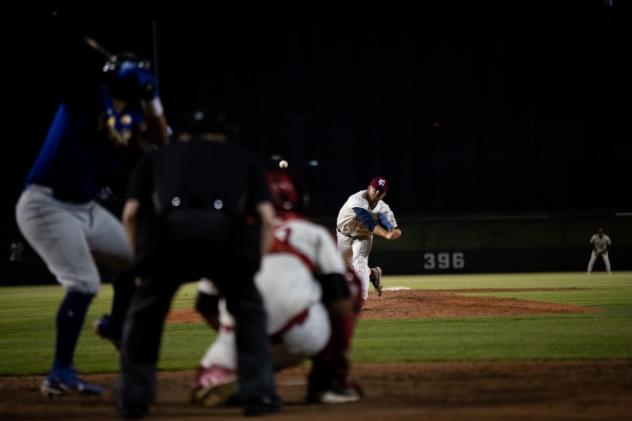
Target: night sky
465,111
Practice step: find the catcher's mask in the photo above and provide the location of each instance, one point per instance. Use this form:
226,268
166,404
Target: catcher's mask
116,67
288,193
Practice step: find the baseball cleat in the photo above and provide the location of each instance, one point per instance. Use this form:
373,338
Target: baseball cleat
213,386
62,381
340,396
337,394
376,279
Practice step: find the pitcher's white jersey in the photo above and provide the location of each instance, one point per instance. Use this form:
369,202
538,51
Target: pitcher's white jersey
286,280
600,244
347,222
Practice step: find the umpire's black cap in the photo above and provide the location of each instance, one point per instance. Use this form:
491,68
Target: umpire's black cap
203,121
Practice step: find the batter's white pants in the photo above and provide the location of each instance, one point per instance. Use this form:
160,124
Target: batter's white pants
355,252
593,258
304,339
69,236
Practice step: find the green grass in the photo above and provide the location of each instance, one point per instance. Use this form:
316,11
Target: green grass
27,326
27,339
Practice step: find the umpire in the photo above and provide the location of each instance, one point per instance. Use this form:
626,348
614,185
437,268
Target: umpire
197,208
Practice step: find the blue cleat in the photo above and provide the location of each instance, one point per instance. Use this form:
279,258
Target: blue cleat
62,381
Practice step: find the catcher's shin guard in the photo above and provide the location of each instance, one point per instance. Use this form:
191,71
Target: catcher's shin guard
331,366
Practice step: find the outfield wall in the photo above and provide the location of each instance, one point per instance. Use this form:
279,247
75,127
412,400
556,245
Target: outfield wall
473,244
501,261
541,243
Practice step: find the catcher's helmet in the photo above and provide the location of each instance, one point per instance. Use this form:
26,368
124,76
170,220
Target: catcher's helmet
115,71
288,193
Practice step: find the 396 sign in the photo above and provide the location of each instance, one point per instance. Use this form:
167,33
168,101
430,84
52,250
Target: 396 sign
444,260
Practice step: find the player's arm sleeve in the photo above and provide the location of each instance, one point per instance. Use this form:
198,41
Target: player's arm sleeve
365,217
384,222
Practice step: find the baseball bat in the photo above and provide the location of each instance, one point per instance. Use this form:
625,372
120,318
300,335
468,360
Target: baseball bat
98,47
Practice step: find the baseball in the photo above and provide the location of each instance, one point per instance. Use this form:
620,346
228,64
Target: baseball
283,163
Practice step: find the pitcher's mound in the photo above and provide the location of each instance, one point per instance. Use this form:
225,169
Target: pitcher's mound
415,304
400,303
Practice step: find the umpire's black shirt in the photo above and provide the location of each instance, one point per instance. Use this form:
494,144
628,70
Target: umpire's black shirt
197,207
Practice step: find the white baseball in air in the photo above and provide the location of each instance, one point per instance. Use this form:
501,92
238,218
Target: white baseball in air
283,163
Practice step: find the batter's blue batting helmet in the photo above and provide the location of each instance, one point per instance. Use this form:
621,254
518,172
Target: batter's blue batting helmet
129,77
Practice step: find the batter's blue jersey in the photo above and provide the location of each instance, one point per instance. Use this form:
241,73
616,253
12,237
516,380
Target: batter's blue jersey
78,154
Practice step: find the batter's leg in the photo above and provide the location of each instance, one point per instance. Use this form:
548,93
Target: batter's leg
107,239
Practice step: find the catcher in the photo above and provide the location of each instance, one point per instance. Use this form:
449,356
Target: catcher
311,307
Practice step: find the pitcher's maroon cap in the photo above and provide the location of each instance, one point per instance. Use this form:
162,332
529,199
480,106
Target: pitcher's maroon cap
380,184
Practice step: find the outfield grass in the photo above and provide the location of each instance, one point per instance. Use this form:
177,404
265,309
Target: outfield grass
27,326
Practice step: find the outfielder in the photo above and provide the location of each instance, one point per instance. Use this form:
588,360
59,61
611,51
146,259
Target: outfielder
57,213
307,300
364,214
600,243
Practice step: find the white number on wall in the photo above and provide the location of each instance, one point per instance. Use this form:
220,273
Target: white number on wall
429,261
444,261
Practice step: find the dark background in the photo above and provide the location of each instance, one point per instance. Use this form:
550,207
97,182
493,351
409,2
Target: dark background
465,111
